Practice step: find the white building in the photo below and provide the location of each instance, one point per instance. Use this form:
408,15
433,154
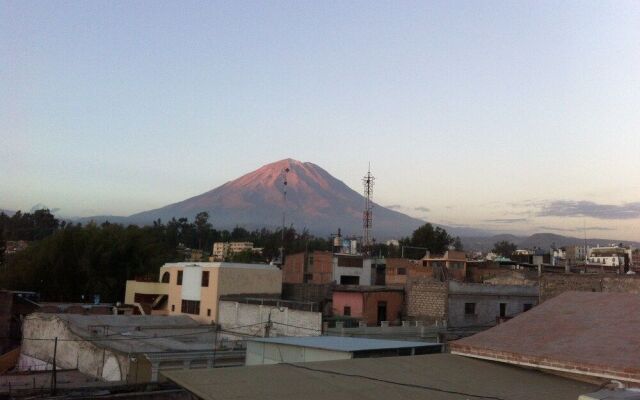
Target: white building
350,269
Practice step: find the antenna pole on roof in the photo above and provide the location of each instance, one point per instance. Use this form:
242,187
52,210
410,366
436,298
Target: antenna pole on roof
54,377
285,171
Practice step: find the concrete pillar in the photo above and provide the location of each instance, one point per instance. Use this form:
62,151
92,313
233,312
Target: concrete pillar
384,324
362,324
155,368
405,324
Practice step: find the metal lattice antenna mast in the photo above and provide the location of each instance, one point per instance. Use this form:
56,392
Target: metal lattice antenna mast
367,215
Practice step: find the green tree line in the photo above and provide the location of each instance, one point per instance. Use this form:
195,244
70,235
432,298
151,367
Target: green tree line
69,262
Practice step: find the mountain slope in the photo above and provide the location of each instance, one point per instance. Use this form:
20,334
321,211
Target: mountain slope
541,240
315,200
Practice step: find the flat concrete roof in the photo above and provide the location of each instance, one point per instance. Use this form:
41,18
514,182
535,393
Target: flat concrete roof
137,333
433,377
346,344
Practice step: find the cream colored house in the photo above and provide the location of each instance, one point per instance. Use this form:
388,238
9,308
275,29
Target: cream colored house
195,288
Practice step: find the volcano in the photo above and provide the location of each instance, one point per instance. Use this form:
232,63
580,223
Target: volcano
316,201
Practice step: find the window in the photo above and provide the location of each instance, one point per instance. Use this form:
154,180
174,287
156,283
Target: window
526,307
205,278
179,277
503,309
166,277
173,307
347,311
402,271
349,280
190,307
208,312
352,262
469,308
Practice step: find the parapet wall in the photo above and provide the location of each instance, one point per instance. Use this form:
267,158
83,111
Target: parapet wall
552,285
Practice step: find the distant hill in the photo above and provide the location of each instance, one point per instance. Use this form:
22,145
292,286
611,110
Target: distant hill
315,200
542,240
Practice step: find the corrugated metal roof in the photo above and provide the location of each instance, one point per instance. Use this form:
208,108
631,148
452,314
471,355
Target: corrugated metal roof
347,344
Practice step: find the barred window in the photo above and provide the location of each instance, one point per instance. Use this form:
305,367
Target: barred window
190,307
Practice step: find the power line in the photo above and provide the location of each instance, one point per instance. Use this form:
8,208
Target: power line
410,385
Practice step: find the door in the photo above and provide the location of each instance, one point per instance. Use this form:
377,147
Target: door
382,311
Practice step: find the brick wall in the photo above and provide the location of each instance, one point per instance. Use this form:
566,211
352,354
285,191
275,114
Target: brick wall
307,292
412,269
6,301
426,299
552,285
293,268
394,301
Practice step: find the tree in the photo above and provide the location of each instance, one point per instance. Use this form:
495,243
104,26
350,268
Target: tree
202,227
504,248
457,244
436,240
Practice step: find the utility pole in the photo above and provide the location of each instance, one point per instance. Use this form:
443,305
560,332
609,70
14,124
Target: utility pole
53,372
267,327
285,171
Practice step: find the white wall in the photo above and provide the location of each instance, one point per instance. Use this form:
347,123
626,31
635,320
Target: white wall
236,317
259,353
192,282
364,273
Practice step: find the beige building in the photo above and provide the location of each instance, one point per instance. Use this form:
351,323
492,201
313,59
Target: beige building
195,288
221,250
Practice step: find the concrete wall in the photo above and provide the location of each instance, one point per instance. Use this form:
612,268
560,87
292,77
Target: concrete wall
85,356
552,285
487,299
259,353
363,273
134,287
237,317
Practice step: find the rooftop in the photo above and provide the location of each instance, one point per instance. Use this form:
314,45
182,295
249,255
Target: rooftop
433,377
359,288
137,333
588,333
347,344
219,265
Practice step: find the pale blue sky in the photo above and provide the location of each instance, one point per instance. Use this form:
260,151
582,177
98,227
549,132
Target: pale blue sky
487,113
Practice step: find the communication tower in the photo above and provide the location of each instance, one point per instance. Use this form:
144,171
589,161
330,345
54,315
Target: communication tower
367,215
